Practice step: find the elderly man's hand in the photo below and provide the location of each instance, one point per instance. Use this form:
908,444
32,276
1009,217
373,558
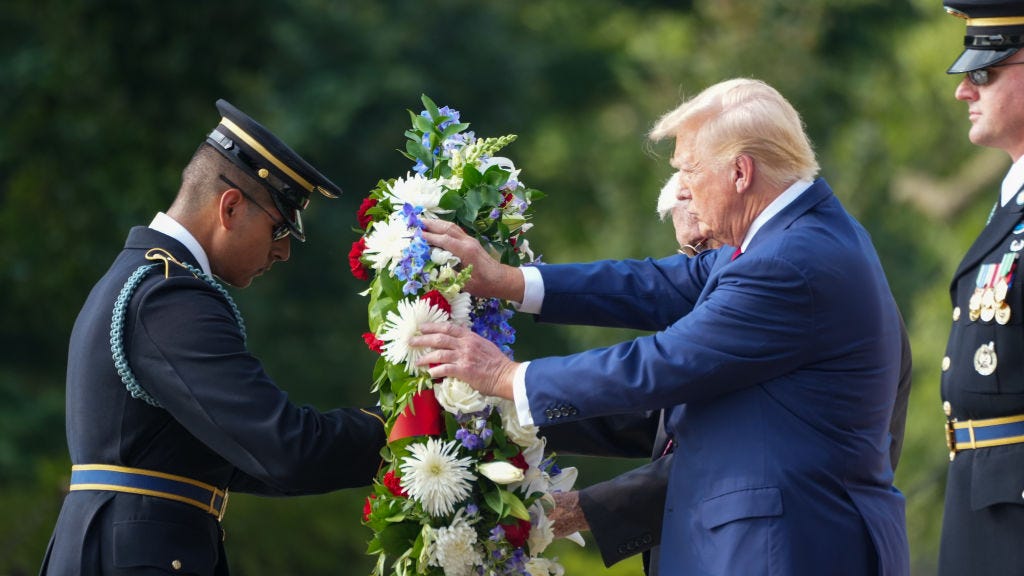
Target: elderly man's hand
490,278
460,353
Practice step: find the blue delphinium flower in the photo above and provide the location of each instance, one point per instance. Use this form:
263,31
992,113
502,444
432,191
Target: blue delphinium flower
416,255
469,440
490,320
497,534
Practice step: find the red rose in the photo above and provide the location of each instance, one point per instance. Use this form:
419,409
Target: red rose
368,507
356,265
361,216
373,343
519,461
394,484
436,299
517,533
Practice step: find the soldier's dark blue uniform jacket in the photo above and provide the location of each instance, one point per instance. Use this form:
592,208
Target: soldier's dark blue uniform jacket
983,379
222,421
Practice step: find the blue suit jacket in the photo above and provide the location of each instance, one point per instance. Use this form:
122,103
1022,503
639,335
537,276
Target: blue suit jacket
781,368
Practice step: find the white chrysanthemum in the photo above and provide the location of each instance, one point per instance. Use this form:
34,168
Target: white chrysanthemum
457,397
418,191
400,327
462,305
525,436
454,549
385,243
544,567
435,477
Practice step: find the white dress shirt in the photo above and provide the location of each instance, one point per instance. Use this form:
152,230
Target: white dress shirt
164,223
1013,182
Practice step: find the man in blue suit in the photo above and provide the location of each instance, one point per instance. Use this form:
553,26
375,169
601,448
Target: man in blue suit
778,353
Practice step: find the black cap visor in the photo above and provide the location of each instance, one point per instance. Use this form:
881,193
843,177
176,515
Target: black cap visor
975,59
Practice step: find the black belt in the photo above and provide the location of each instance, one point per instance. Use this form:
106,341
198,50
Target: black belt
208,498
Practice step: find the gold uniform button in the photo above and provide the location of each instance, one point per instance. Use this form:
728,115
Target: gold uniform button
947,408
945,363
176,565
956,314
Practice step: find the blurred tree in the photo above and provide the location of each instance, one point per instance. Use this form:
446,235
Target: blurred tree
104,102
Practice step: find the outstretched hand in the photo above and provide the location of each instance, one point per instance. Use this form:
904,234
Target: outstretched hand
490,278
460,353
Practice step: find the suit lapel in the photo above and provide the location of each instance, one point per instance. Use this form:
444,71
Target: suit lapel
1003,221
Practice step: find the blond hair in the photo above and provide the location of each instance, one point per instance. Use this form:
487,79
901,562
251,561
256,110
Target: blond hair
745,117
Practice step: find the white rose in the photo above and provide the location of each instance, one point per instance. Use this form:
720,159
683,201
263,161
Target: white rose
525,436
457,397
500,472
443,257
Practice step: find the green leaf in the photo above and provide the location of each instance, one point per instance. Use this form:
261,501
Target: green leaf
470,208
451,200
453,129
396,539
471,177
424,125
494,502
419,152
496,176
516,508
429,106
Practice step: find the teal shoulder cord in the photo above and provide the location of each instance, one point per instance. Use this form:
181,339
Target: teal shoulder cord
117,322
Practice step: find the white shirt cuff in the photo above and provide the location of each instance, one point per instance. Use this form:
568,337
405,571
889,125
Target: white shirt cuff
519,396
533,290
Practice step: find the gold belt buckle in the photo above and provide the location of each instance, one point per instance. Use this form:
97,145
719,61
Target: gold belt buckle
951,439
223,506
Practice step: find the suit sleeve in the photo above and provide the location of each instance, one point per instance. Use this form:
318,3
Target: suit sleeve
619,436
192,357
625,513
757,324
640,294
898,423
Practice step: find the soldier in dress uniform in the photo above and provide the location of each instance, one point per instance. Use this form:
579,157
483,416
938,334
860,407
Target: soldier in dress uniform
167,410
983,369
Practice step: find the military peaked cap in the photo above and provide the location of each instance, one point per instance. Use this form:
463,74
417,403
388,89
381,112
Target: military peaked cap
995,31
254,149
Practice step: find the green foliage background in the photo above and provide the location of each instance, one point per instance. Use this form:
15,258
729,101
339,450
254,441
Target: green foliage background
104,101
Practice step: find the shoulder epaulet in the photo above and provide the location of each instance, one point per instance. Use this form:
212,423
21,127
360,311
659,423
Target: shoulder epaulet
121,308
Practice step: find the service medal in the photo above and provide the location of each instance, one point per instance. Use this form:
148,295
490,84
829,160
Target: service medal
974,314
988,298
985,359
1003,314
974,304
999,290
988,312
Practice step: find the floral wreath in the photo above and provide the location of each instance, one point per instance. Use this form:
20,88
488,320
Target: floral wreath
464,489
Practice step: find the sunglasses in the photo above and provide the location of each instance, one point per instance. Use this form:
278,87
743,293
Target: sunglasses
981,76
281,229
